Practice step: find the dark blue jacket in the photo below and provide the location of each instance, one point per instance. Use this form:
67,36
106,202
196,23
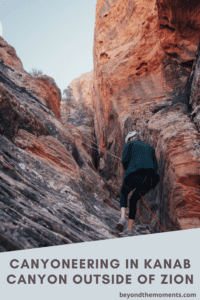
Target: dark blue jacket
138,155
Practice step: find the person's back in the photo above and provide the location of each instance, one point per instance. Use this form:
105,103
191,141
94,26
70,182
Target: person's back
140,165
139,157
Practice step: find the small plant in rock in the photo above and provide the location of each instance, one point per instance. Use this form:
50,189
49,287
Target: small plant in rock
67,92
36,73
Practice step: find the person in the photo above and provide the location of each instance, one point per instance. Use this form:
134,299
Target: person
141,175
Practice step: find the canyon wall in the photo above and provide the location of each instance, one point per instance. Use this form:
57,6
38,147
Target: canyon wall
76,106
50,190
77,110
143,54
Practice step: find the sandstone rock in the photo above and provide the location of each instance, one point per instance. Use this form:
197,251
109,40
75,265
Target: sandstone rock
43,88
194,91
77,110
50,190
143,54
76,106
82,88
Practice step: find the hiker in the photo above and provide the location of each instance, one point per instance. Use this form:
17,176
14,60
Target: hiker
140,165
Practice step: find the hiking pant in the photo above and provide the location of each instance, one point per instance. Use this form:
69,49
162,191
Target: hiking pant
141,182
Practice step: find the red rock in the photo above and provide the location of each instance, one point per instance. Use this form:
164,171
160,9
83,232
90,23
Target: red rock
194,91
50,190
143,53
43,87
77,110
82,88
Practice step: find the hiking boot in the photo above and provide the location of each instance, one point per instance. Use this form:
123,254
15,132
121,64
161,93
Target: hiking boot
120,224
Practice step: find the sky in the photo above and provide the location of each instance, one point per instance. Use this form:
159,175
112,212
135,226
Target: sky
53,36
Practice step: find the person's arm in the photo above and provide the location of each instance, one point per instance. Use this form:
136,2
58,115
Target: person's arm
126,156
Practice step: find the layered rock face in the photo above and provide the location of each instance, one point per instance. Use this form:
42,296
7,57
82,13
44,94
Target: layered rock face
77,110
76,106
50,190
43,87
143,54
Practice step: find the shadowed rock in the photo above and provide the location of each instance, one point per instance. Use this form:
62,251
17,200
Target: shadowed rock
50,191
